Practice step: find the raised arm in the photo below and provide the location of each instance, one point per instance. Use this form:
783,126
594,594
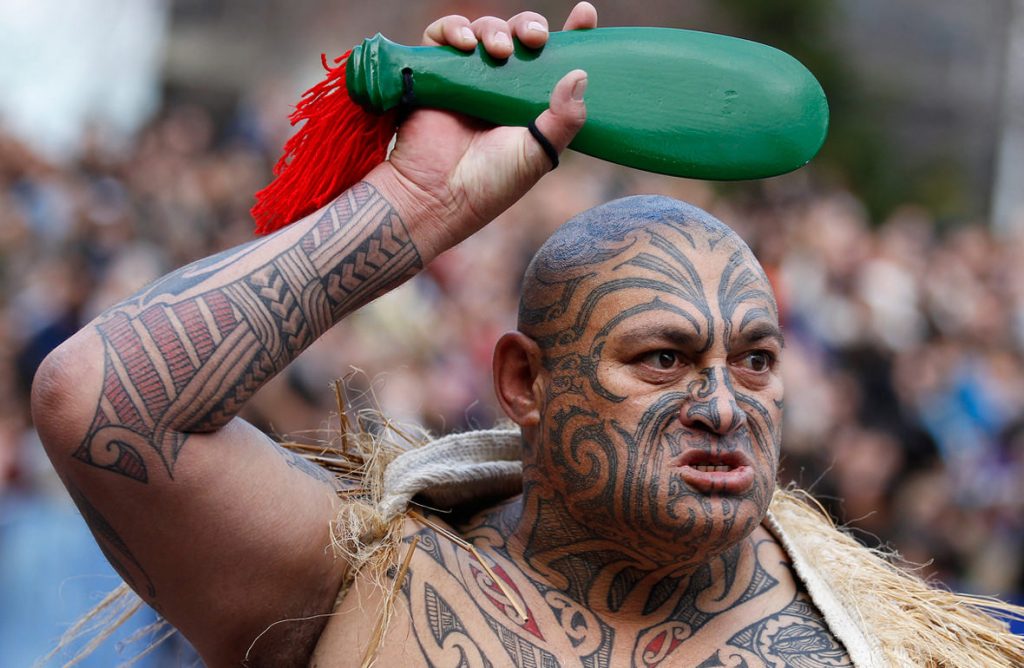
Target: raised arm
210,522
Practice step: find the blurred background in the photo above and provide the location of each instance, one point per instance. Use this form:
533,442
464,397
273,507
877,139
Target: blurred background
133,134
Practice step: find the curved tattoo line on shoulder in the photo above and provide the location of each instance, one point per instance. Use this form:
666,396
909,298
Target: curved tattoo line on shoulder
113,546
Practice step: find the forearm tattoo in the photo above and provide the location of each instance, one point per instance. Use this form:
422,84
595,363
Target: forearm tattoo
184,354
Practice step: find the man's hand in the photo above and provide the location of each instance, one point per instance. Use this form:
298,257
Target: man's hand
456,174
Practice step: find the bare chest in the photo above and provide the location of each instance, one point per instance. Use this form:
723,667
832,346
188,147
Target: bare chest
452,611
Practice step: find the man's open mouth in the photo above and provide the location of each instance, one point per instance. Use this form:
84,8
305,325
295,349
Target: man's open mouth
715,472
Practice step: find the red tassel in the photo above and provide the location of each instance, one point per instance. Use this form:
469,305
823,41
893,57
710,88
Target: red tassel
338,145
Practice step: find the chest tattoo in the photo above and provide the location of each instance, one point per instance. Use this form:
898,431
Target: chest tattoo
461,617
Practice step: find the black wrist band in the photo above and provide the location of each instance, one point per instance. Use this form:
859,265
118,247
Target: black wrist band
544,143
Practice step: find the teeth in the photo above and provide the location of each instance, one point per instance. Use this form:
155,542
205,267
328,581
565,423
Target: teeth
712,468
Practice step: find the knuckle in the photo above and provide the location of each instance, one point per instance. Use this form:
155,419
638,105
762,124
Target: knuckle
579,115
526,17
487,22
453,23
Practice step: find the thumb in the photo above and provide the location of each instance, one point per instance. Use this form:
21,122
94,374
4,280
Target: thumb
566,112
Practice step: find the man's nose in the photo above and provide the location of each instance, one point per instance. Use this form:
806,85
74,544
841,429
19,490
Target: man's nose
711,404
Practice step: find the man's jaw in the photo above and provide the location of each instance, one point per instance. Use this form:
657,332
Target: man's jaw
709,472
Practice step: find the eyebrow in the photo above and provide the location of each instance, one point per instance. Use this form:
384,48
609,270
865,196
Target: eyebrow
680,338
759,331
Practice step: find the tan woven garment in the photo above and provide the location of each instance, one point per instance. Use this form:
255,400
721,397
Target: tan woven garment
883,614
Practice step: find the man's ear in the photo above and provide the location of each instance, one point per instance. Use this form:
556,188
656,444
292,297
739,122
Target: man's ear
517,364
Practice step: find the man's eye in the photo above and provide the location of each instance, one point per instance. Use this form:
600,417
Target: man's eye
661,359
758,361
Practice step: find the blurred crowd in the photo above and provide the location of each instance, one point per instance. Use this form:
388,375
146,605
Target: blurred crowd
905,338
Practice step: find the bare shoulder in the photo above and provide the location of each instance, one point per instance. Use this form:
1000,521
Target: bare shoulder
451,605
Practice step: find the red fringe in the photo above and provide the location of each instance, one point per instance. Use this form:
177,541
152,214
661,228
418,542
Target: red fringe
338,145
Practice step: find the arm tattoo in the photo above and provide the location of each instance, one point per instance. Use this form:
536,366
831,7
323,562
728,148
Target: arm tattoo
113,546
183,355
303,465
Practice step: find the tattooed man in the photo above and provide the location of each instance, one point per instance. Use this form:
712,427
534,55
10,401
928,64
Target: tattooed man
644,376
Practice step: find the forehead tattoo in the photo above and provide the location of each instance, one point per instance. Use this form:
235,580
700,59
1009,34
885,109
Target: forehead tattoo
588,258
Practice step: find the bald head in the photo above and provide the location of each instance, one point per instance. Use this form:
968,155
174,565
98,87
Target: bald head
661,234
